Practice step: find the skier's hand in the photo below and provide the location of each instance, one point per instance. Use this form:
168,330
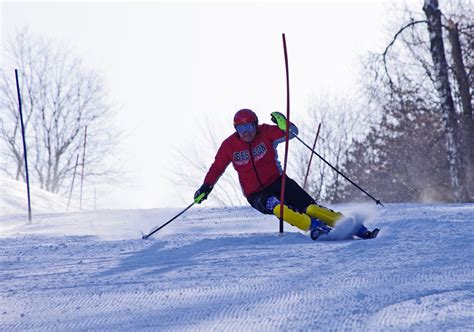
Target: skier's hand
202,193
279,119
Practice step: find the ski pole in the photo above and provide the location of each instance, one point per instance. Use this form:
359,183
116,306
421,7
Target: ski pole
197,200
338,171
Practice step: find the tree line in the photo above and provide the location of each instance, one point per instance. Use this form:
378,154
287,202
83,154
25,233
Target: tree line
422,147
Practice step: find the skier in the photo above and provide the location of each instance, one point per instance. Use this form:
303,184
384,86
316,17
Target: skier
252,151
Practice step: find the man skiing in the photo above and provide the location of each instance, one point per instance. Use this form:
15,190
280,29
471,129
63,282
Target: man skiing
252,152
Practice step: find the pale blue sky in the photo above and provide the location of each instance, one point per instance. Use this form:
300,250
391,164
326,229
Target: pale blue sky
167,64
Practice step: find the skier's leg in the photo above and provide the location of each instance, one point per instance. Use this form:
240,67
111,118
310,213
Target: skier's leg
365,234
300,220
269,204
266,202
329,216
297,197
297,219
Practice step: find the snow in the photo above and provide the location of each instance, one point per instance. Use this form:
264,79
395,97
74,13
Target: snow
229,269
13,199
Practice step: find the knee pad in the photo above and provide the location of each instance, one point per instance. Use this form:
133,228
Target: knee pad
271,202
330,217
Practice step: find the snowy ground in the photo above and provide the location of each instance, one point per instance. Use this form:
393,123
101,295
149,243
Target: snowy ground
228,269
13,199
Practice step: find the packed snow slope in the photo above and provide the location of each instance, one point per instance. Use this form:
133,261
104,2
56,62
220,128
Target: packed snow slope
13,199
228,269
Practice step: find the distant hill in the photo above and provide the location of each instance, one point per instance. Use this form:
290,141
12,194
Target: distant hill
13,199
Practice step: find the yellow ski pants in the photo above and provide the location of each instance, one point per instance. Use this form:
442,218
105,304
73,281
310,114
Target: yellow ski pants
303,220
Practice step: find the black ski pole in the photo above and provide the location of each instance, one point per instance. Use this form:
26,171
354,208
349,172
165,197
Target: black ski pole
197,200
338,171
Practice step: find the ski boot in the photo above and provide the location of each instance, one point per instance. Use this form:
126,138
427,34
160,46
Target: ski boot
318,228
365,234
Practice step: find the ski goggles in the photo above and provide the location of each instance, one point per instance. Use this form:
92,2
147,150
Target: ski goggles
242,128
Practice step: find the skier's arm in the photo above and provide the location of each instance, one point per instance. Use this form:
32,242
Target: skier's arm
221,161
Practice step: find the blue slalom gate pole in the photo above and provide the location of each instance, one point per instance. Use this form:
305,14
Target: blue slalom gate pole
24,145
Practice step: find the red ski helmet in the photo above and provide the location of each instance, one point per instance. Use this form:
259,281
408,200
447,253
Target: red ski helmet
245,116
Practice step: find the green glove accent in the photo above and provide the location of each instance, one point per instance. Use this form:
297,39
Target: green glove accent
202,193
200,198
279,119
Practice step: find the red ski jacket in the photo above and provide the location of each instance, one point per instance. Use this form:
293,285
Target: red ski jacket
256,162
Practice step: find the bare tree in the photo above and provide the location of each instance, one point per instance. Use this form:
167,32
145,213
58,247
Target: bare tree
443,87
343,119
464,92
60,97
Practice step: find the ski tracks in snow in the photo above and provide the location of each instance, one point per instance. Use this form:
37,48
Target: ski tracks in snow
227,269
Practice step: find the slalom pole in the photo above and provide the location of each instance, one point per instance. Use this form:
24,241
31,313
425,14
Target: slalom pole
198,199
287,135
20,109
83,162
311,157
72,184
338,171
